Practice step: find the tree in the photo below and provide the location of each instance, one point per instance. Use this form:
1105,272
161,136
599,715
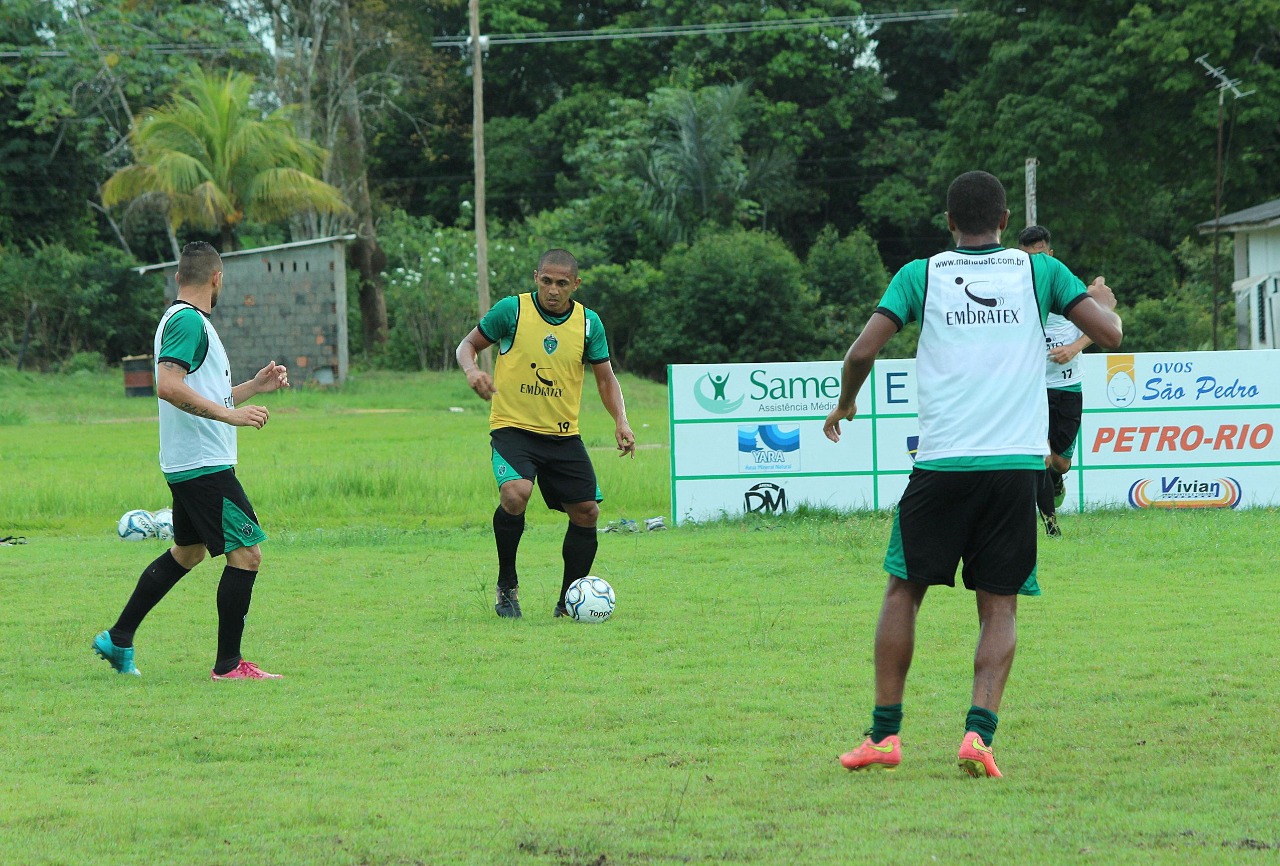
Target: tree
345,63
84,70
732,296
59,302
1109,99
213,161
814,99
42,192
904,205
850,279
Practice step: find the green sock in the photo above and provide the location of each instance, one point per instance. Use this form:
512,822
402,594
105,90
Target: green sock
885,721
983,723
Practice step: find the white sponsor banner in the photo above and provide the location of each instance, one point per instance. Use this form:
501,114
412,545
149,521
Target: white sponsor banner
1179,430
1159,430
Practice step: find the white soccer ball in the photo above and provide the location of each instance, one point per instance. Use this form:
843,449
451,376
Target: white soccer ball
589,599
136,525
163,520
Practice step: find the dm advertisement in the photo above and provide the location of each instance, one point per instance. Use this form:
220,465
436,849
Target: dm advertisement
1175,430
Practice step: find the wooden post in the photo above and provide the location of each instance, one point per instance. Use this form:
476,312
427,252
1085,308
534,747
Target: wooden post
477,137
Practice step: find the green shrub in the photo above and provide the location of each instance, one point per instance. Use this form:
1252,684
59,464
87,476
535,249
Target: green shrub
734,296
88,362
55,302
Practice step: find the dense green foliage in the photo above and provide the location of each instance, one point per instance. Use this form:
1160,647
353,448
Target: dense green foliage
56,303
631,151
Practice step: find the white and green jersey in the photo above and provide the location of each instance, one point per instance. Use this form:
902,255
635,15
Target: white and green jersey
189,443
981,357
1059,331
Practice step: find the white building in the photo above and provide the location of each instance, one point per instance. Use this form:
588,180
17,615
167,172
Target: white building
1256,231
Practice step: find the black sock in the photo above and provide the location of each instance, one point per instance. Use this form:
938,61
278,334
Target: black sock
235,592
579,551
157,579
507,529
1044,494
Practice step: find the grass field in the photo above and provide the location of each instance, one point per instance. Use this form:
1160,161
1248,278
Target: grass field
700,725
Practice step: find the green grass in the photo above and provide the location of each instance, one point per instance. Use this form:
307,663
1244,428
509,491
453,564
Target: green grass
387,450
700,725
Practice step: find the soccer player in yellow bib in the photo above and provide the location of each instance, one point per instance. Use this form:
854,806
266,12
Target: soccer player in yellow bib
545,342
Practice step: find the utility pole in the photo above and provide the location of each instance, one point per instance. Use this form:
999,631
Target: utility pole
478,44
1032,162
1224,84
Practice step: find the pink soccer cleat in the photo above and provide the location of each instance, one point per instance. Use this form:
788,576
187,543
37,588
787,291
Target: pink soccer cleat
885,755
245,671
977,759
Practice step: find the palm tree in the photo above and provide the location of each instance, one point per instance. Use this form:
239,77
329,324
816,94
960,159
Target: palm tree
213,161
697,172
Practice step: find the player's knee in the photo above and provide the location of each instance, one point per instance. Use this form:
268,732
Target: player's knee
584,513
247,558
515,497
188,556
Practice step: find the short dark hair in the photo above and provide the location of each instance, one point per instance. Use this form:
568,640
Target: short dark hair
976,203
559,258
1032,235
197,264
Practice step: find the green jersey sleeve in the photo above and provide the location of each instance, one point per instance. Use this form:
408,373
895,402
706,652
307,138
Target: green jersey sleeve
904,299
499,324
596,350
184,340
1057,289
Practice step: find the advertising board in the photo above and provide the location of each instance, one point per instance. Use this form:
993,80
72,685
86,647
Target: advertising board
1159,430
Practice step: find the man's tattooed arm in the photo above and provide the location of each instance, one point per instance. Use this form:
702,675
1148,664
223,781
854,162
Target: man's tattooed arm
199,411
189,408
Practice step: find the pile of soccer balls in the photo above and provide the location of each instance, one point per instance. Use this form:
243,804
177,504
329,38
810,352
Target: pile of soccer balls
139,523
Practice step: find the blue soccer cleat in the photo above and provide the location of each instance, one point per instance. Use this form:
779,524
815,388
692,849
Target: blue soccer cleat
120,658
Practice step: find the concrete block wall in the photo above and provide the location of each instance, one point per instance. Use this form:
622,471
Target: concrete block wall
285,303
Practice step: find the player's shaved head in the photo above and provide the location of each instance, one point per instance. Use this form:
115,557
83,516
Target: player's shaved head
197,264
976,202
560,259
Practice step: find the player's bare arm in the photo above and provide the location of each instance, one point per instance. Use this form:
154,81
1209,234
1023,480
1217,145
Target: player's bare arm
1063,354
466,354
1096,316
270,378
857,366
171,387
611,396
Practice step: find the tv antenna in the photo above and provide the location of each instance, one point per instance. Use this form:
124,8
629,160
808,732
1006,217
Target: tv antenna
1225,83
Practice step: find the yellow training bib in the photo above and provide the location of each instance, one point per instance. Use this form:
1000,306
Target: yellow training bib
539,378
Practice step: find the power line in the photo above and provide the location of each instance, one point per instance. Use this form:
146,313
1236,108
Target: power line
158,48
844,21
869,21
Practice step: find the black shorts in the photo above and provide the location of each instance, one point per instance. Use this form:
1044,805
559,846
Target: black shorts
213,510
987,519
1064,420
559,464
